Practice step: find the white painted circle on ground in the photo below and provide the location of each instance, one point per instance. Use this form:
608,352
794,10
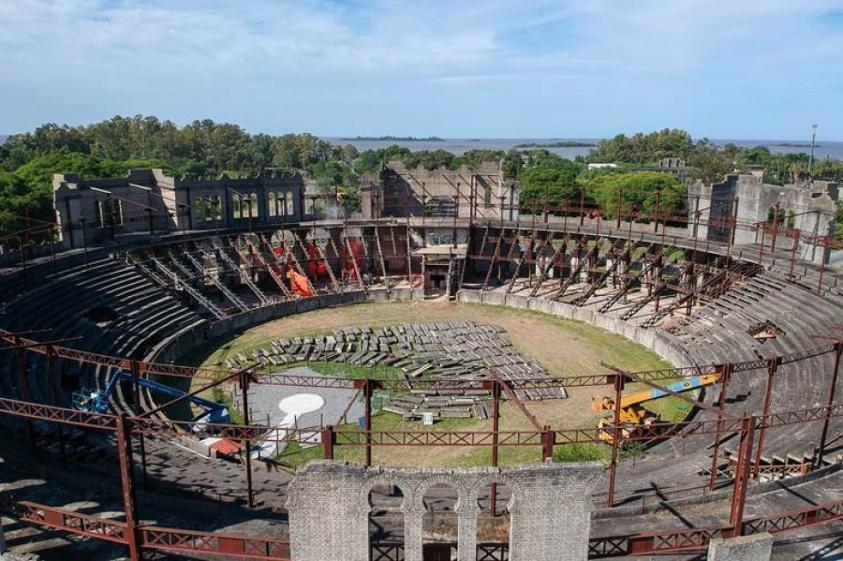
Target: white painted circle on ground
301,403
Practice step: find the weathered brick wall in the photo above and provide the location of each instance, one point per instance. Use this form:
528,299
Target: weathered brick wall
550,509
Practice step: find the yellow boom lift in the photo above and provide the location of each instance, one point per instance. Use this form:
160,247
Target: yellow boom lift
633,416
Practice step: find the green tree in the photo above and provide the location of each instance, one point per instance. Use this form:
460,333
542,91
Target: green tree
709,163
473,159
553,182
644,148
639,192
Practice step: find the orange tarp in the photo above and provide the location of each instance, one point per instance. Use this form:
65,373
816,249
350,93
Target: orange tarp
299,284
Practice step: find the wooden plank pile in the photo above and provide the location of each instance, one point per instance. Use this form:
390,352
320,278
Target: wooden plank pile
452,350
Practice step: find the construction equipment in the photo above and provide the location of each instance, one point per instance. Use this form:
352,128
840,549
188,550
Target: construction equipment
633,417
96,401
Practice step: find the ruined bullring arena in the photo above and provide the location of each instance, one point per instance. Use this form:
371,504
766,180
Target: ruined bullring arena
478,379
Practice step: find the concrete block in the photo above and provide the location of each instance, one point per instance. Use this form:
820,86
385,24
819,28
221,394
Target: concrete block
494,298
472,296
757,547
517,301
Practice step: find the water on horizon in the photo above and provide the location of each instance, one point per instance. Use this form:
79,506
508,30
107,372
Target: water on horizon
823,149
459,146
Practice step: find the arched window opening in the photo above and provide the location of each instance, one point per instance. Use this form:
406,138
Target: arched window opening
236,211
254,208
271,201
198,209
290,209
217,202
386,522
493,521
439,524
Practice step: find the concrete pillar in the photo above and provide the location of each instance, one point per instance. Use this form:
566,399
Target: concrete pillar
551,516
329,513
467,532
757,547
610,282
413,543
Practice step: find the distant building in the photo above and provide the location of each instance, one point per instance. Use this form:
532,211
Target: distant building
464,193
592,167
807,205
149,201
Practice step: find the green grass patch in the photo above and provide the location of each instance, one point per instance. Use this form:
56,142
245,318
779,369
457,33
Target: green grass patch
581,453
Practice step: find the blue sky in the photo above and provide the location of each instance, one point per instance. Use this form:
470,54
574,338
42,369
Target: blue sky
762,69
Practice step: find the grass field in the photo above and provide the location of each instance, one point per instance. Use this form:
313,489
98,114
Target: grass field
563,347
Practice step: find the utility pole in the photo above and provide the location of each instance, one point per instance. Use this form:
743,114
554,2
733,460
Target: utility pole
813,143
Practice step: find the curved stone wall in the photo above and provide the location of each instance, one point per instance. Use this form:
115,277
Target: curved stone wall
658,341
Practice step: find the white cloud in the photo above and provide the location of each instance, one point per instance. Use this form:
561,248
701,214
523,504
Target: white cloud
140,55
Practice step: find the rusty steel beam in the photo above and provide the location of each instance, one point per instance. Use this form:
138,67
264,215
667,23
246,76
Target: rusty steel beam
178,541
562,248
838,350
725,378
77,523
742,475
510,394
773,366
127,483
494,258
618,380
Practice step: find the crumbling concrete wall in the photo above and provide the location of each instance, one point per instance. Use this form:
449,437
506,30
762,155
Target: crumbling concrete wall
550,509
171,203
810,205
480,192
757,547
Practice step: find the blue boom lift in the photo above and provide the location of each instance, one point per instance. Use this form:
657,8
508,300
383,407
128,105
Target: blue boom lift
96,401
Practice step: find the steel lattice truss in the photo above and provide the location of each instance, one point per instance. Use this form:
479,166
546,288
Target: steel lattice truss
255,547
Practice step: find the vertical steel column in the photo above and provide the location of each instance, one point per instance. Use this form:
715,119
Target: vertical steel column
657,213
796,237
53,236
327,438
582,206
496,404
368,387
741,476
772,367
127,481
247,453
135,368
618,380
548,442
838,350
23,386
823,261
456,214
54,394
735,201
618,210
725,378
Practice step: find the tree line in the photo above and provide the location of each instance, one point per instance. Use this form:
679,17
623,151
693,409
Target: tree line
206,148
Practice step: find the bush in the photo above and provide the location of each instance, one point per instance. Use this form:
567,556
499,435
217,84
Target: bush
579,453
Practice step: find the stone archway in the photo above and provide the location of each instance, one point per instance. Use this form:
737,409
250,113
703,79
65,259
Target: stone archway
369,506
551,505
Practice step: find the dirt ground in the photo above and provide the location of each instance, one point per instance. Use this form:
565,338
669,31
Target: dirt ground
564,347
